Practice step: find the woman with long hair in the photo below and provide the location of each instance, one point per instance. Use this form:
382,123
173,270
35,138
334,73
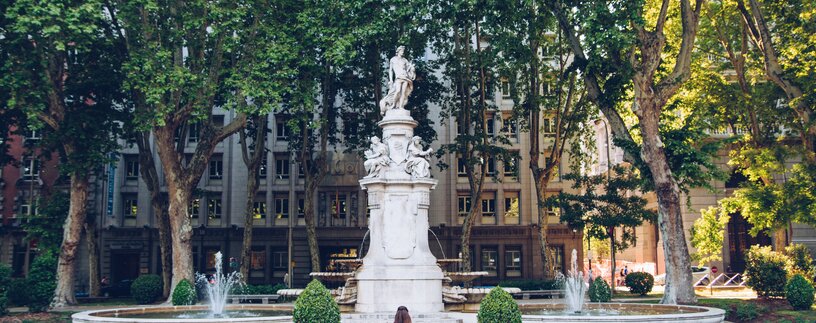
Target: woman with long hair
402,315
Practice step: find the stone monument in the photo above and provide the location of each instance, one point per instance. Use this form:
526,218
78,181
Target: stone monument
399,268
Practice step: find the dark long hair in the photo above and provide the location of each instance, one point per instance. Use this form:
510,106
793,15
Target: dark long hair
402,315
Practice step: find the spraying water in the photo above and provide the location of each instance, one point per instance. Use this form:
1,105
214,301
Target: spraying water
218,286
574,287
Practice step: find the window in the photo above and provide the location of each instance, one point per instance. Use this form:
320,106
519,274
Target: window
489,260
547,89
460,167
31,169
491,167
512,261
216,168
193,131
301,172
28,210
461,128
214,208
131,168
464,205
511,208
301,210
557,253
505,88
218,120
281,208
281,130
257,258
490,126
130,206
548,127
193,210
510,128
511,167
259,210
262,167
33,135
280,260
489,210
281,167
339,206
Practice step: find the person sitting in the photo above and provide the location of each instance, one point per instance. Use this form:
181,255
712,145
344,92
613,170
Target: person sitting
402,315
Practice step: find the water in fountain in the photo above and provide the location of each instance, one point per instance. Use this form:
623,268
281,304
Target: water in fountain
218,286
574,287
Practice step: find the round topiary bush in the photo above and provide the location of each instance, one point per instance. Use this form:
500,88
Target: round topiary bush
765,271
42,281
599,291
799,293
146,289
640,283
184,293
315,304
498,306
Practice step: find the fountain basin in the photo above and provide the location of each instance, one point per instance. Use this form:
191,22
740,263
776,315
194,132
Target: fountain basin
175,314
620,312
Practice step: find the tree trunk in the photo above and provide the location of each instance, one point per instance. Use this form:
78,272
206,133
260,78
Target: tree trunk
467,227
93,259
679,287
163,224
311,226
543,226
613,264
64,293
246,249
179,199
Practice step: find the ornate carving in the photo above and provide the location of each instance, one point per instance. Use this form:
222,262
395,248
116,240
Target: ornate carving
418,164
376,158
401,75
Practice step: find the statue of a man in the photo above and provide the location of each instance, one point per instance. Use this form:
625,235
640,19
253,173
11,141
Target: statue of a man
401,75
418,165
376,158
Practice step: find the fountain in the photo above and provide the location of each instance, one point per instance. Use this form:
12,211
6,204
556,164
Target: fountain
217,288
574,286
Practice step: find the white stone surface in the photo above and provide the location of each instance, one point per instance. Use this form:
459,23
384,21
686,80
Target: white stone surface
399,268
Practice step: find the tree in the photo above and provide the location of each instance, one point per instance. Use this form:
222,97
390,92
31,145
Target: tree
627,41
178,60
60,72
470,71
707,235
254,156
606,202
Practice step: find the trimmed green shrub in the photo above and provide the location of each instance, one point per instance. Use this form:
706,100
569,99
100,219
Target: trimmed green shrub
18,292
800,261
746,311
765,271
184,293
799,292
498,306
146,289
640,283
5,283
41,282
599,291
257,289
315,304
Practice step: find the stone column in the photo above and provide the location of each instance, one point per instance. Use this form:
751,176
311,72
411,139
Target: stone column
399,268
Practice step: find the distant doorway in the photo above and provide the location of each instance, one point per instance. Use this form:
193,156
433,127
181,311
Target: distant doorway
739,241
124,266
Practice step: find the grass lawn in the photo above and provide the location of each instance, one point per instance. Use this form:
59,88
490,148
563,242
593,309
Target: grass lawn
50,317
759,310
110,302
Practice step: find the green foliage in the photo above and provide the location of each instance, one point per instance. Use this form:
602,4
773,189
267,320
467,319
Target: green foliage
640,283
800,261
315,304
5,284
498,307
184,294
747,311
799,292
599,291
46,227
605,204
146,289
18,291
530,284
765,271
708,234
41,282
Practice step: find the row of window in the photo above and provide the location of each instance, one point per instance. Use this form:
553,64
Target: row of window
511,209
194,129
214,208
216,168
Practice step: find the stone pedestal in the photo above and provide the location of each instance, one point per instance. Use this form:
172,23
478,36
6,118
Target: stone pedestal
399,268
